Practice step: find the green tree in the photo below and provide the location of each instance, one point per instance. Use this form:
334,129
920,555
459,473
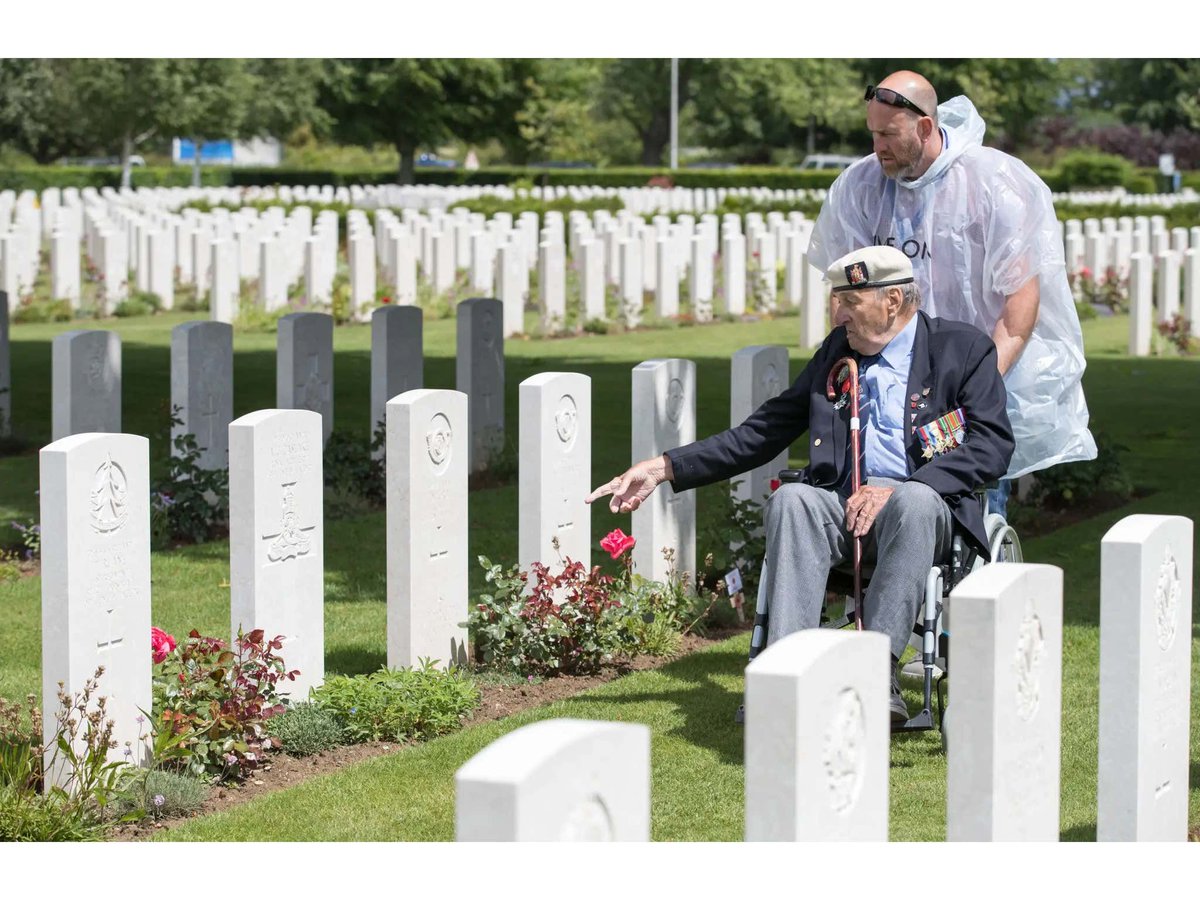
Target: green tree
1163,94
638,92
242,98
1012,95
559,119
757,106
414,103
39,112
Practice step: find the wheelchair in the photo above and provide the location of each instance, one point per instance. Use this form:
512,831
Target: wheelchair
931,631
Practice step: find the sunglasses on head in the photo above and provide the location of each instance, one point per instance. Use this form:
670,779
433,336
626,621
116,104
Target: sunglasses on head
892,98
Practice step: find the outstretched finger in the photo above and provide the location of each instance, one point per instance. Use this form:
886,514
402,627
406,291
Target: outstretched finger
603,491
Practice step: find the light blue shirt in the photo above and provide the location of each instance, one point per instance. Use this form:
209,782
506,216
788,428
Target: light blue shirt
882,397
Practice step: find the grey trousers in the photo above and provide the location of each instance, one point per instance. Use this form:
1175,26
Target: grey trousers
807,536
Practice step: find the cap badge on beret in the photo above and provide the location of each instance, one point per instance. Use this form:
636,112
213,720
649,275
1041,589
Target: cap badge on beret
857,274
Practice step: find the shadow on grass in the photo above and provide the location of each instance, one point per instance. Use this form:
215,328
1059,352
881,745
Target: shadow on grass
705,705
353,661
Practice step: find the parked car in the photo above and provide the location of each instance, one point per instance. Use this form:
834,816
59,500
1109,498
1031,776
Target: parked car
828,161
435,161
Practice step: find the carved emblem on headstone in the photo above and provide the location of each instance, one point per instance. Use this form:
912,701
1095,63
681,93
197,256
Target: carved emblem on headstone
674,399
315,389
438,439
291,541
94,367
487,328
589,821
110,497
1028,663
842,756
1166,599
566,418
772,385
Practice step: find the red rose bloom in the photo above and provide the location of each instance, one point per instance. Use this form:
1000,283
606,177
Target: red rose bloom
161,644
617,542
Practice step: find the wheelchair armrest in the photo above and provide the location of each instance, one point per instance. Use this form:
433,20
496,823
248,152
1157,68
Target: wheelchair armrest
791,476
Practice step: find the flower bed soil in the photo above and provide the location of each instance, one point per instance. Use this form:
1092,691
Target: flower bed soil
497,702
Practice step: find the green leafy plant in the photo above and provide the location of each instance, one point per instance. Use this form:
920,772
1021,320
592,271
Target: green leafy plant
566,623
398,704
733,538
355,479
306,729
1068,483
191,503
162,794
140,303
63,789
218,699
35,310
1178,332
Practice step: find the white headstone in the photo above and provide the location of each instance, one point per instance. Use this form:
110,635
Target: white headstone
555,457
552,297
1145,679
1168,286
664,417
272,282
362,273
733,260
226,286
817,738
95,518
758,374
427,465
304,365
666,291
1003,723
479,373
814,315
514,286
64,267
443,261
85,383
700,286
397,357
558,780
1141,303
202,388
592,282
632,294
162,267
277,537
1191,289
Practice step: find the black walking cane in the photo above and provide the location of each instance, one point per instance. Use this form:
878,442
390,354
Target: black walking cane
845,369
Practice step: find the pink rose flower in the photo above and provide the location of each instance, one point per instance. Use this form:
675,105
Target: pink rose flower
617,542
161,644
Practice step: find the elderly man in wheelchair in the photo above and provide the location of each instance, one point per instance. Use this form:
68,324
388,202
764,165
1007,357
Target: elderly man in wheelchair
921,402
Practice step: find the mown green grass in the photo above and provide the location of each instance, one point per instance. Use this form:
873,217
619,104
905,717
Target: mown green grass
1147,404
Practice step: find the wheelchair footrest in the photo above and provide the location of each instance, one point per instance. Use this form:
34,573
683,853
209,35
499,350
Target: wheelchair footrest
739,717
922,721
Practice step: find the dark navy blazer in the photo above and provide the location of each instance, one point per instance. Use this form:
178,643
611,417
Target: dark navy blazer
953,365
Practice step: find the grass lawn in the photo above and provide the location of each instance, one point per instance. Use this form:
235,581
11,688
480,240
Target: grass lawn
1146,404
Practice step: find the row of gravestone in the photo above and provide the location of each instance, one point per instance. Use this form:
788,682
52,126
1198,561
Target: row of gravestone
1161,267
95,520
86,397
817,722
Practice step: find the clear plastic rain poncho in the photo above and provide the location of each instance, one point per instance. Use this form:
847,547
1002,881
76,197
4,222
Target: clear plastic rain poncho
978,225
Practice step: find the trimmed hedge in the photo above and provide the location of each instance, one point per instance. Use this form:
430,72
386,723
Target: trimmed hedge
1080,171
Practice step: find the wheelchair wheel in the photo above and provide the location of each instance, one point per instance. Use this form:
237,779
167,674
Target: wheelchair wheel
1003,543
945,730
